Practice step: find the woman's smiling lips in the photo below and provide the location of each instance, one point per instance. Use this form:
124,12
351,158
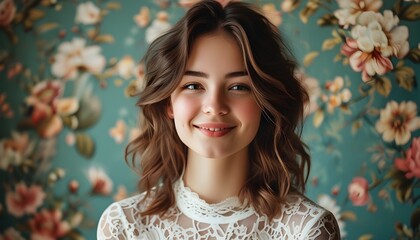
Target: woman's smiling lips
214,129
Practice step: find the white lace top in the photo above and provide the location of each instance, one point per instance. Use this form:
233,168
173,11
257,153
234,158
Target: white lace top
193,218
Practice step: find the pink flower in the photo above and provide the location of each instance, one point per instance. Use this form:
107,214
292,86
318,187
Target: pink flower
411,163
369,63
24,199
48,225
358,191
7,12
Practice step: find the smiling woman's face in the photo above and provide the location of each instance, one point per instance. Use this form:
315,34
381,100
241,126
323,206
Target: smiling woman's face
214,108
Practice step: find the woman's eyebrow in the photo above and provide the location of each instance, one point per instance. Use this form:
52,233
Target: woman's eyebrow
205,75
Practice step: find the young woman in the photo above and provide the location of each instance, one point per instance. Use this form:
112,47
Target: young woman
219,151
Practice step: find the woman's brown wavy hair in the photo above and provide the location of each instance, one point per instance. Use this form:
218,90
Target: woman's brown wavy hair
279,162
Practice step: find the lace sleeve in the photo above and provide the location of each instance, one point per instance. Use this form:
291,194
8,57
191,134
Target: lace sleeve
112,223
326,228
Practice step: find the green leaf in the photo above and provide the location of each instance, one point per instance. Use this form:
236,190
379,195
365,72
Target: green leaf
405,77
309,58
35,14
318,118
404,191
113,5
330,43
356,126
46,27
348,215
366,237
414,55
85,145
415,219
383,85
410,13
308,11
327,20
89,112
106,38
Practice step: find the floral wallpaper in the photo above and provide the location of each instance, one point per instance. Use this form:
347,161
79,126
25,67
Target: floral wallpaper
68,69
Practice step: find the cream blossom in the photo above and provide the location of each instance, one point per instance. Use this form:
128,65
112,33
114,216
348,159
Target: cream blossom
373,41
158,27
126,67
118,132
121,193
7,12
11,234
272,14
99,180
48,225
289,5
351,9
411,163
397,121
75,56
330,204
143,17
311,85
337,94
15,150
88,13
376,31
24,200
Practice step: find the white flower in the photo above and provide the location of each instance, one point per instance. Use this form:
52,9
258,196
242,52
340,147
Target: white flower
74,56
330,204
87,13
374,40
159,26
351,9
380,32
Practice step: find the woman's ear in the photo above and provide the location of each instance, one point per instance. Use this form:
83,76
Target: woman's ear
170,111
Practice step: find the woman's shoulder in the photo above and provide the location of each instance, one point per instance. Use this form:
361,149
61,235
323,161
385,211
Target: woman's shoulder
299,203
314,221
120,216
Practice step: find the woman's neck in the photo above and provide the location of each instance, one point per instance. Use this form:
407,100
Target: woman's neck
215,180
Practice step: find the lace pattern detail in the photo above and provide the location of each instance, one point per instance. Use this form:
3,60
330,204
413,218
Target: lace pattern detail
193,218
229,210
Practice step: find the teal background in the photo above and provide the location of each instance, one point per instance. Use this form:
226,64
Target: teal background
338,154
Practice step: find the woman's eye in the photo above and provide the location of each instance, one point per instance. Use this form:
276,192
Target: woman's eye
192,86
240,88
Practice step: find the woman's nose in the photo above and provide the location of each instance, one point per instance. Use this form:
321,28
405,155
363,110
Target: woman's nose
215,103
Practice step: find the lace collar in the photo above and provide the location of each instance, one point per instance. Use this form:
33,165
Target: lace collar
227,211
